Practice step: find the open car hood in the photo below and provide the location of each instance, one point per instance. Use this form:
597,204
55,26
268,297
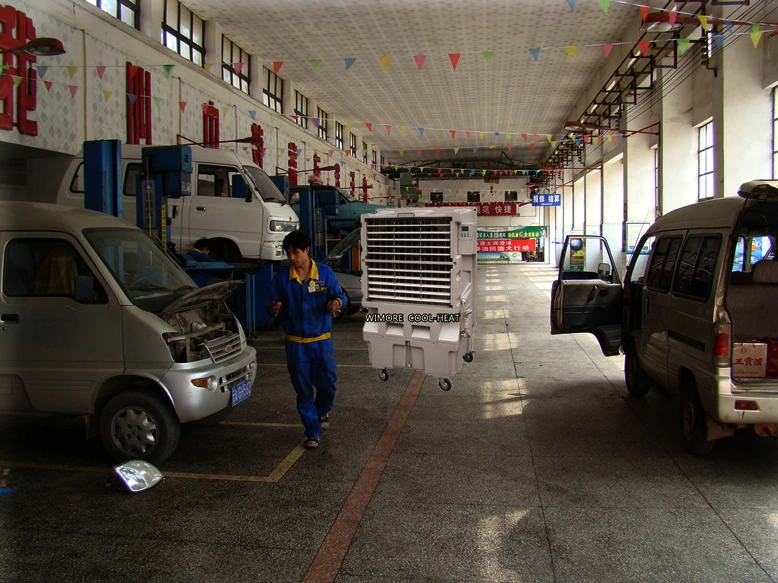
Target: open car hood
216,292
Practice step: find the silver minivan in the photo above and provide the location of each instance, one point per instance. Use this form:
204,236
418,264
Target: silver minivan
96,320
695,314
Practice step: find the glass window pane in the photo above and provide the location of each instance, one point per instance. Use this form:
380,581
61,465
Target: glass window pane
197,58
110,7
127,15
185,28
185,52
171,41
172,13
197,31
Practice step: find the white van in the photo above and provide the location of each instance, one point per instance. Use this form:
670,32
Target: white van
97,321
239,226
696,314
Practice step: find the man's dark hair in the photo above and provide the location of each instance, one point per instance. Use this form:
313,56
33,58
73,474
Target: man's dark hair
297,240
201,244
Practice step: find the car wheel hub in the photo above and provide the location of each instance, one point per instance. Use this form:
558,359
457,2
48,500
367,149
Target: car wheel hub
134,431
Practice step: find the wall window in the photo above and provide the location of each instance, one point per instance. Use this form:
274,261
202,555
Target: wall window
473,196
273,91
775,132
183,31
339,135
383,162
301,109
324,119
236,65
705,161
375,160
656,180
364,152
352,144
125,10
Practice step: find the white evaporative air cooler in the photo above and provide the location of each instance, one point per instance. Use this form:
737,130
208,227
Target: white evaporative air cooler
419,288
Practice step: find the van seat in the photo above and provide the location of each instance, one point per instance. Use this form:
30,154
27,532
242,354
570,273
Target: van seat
766,272
751,306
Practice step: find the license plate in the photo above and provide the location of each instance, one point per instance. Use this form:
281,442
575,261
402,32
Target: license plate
241,391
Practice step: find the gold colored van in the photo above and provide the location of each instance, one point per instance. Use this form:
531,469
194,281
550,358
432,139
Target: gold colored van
695,314
97,321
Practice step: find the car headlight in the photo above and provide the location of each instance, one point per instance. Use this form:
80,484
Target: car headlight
211,383
279,226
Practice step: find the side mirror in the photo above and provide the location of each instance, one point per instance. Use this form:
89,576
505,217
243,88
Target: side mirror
604,271
240,189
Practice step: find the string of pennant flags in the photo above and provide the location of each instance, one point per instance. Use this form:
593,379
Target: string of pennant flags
533,139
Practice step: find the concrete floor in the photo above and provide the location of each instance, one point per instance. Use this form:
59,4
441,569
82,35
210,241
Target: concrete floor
536,467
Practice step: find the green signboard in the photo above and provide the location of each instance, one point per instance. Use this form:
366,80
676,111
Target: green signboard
534,232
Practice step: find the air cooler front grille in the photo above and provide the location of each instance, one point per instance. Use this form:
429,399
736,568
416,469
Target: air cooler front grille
408,260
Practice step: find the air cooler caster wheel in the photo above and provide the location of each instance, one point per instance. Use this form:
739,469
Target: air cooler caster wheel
444,384
383,375
467,357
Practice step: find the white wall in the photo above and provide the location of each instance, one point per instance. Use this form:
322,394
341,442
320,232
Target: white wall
81,105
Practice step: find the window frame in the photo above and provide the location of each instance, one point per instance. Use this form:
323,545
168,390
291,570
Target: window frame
272,97
132,6
301,109
181,39
243,79
322,130
705,161
775,131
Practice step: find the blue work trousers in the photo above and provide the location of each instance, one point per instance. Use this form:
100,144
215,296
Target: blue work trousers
312,370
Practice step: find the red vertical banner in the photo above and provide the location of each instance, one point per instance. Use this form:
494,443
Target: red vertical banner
353,184
138,105
26,93
292,167
16,29
210,126
7,41
364,188
258,145
316,167
337,175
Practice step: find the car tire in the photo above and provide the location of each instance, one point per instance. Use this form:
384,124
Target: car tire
139,425
693,424
637,381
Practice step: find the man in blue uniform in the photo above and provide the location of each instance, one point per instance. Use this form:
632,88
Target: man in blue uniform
304,295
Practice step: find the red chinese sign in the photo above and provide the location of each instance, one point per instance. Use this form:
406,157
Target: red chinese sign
138,105
486,209
211,135
506,245
16,29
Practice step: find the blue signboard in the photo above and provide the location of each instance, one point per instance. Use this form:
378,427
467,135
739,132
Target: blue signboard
547,199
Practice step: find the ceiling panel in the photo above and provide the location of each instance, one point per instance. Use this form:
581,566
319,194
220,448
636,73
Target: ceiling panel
481,108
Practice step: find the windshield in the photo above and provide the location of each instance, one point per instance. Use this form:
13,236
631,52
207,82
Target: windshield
150,278
266,187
